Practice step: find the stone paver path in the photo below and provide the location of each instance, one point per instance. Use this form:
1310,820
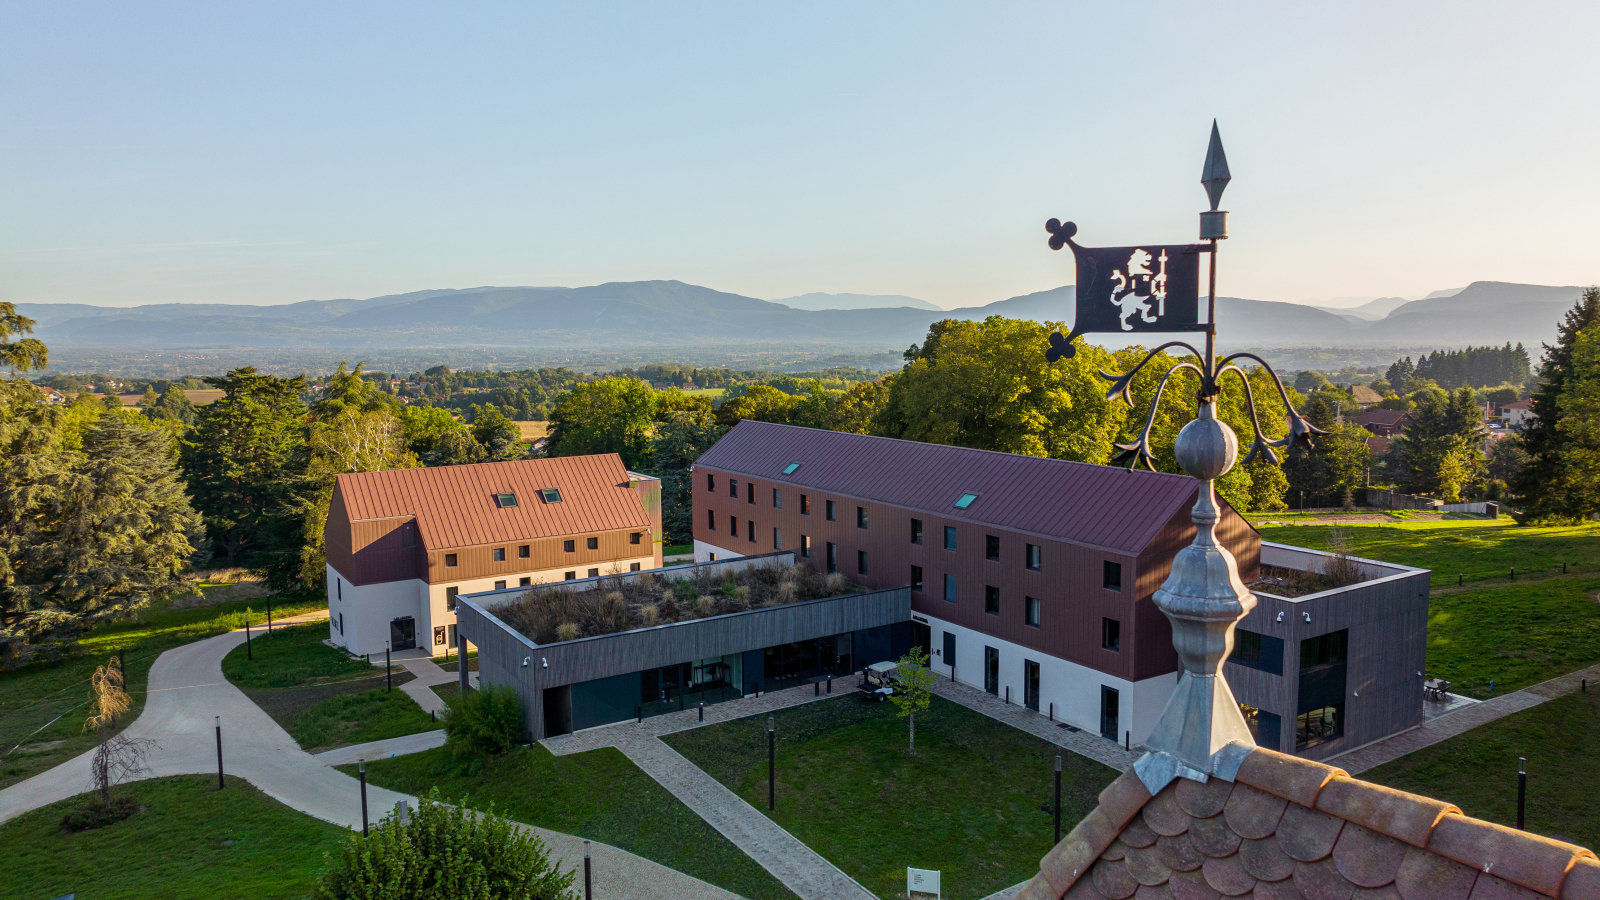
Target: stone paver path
1081,742
1460,721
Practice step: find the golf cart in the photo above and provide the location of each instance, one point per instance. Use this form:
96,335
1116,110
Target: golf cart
878,681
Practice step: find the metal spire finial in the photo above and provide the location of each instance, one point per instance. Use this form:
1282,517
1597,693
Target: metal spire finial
1215,175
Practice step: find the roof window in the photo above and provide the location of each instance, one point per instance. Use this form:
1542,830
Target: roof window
550,495
790,468
506,501
965,501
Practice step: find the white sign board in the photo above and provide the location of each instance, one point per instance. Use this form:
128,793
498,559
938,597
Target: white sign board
924,880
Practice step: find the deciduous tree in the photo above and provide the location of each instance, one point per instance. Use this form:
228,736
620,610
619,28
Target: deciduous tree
913,690
612,415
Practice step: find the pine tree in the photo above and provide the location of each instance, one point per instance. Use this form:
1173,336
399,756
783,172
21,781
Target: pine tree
1544,484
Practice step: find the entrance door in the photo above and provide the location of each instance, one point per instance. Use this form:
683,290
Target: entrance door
950,652
403,634
1109,703
1030,684
991,670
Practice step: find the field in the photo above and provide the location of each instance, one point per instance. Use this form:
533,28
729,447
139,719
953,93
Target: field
974,802
191,842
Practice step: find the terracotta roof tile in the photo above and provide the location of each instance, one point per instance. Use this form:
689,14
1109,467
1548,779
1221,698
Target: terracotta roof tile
1137,834
1387,892
1322,881
1253,813
1399,815
1532,861
1428,876
1368,859
1117,850
1146,867
1114,881
1192,886
1213,837
1203,800
1266,860
1307,835
1286,776
1277,890
1180,854
1163,814
1228,876
1156,892
1488,887
1583,882
1122,799
1078,851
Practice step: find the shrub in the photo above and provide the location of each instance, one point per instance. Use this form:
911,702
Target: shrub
487,722
444,853
85,818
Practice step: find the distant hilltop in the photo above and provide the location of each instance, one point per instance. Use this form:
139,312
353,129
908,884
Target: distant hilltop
672,314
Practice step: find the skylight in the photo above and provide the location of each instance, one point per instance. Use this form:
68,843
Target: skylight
965,501
550,495
506,500
789,469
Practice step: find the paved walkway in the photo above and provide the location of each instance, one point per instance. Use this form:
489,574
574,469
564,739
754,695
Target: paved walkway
384,749
800,868
1460,721
187,690
1077,740
421,688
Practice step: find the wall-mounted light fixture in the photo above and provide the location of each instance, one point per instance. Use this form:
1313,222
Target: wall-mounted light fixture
1280,615
526,660
545,663
1307,615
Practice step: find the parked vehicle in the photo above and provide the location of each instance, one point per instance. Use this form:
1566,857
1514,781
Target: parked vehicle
878,681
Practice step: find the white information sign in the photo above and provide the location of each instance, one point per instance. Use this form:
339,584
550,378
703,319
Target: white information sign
924,880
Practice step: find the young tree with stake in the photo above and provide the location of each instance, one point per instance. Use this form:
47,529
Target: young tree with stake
912,690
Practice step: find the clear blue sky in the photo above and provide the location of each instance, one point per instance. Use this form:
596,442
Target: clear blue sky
269,153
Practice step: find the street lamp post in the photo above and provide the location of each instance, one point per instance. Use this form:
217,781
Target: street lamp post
388,673
1058,798
361,767
772,762
219,753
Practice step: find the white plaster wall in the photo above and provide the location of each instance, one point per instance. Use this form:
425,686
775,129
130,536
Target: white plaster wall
1074,689
703,551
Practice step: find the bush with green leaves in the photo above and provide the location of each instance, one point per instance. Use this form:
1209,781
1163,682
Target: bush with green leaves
444,853
487,722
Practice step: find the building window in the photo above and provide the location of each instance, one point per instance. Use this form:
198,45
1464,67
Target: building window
1318,725
950,588
633,567
341,623
965,500
916,531
790,468
861,517
949,537
338,587
1113,576
805,505
450,560
1030,684
572,576
635,537
1111,635
1257,651
523,551
593,543
572,546
711,481
991,600
524,581
1032,558
1324,650
861,562
991,670
805,546
1030,606
1264,726
777,539
750,491
550,495
916,578
733,488
831,511
505,501
777,498
991,547
733,526
750,528
594,573
499,554
833,558
711,519
499,585
450,598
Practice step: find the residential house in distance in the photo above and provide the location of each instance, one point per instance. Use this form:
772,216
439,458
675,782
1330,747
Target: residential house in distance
1384,422
403,544
1033,579
1364,396
1517,414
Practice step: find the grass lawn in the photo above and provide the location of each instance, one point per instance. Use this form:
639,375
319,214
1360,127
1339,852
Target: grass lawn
1516,635
1477,771
357,718
599,795
41,704
191,841
678,550
975,802
291,656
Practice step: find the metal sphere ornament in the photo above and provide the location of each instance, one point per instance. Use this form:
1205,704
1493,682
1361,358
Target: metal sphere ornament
1206,447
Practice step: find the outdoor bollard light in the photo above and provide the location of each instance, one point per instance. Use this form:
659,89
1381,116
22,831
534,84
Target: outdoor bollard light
772,762
1008,695
219,753
388,673
1522,788
816,689
248,652
1052,710
361,766
1058,798
830,684
588,879
1461,579
639,710
269,615
122,664
702,710
1127,740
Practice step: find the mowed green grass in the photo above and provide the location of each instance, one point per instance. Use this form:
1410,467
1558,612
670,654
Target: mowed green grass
291,656
1482,550
1477,771
975,802
373,715
191,842
600,795
42,703
1516,636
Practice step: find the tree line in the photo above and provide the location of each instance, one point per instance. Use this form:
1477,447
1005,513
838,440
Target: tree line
1474,367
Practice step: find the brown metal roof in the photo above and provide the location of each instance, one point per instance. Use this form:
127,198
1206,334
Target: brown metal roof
1099,506
1381,416
455,505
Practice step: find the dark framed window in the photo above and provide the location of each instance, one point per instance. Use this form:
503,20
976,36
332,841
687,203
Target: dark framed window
916,578
594,573
805,546
1034,557
949,537
733,526
636,537
733,488
711,481
593,543
831,510
750,529
499,585
1031,607
338,589
833,558
991,600
1318,725
777,539
991,546
572,576
1113,576
505,501
524,581
1111,635
711,521
950,588
916,531
524,551
550,495
805,505
1257,651
1323,650
861,562
499,554
450,560
572,546
633,567
777,498
750,491
450,594
1264,726
861,517
1030,684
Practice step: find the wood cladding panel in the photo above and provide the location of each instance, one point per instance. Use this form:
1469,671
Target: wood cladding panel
544,553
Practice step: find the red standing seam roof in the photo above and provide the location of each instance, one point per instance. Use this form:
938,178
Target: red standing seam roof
1105,507
455,505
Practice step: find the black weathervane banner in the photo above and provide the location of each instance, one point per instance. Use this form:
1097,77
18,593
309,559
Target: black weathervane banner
1126,290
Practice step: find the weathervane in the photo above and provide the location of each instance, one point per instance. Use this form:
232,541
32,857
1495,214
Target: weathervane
1155,288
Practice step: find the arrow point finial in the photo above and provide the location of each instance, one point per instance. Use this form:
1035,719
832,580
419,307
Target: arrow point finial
1215,175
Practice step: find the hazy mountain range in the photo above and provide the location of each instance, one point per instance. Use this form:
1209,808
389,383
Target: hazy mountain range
854,301
670,314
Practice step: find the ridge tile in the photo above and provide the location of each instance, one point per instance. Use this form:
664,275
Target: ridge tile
1289,777
1537,863
1407,817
